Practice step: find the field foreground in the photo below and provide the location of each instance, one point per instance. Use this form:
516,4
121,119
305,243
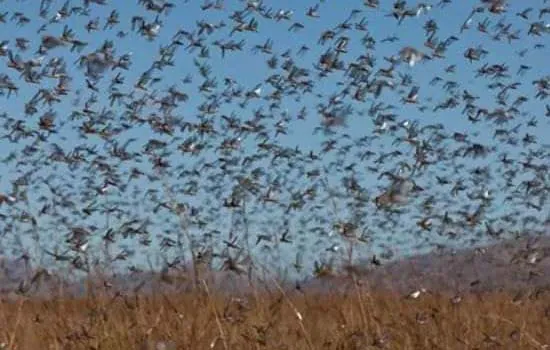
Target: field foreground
274,319
495,299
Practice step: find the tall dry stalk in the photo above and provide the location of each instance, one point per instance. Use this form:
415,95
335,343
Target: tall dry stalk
184,226
13,335
216,316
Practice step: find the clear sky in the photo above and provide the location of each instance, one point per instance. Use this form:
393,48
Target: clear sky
250,69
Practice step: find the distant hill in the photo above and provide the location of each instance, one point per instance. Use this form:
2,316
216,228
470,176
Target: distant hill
510,265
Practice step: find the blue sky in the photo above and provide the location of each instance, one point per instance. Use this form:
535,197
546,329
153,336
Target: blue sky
250,69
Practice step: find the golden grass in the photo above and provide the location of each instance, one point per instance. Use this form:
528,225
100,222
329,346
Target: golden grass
276,320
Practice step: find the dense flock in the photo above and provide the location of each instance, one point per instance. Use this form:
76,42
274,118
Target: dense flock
297,137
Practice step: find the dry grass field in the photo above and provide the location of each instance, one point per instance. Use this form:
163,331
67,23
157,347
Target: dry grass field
468,301
279,320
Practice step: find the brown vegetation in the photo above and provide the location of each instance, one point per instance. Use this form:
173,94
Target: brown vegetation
495,297
274,319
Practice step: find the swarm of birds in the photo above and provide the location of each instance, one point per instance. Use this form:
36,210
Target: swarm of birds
171,134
